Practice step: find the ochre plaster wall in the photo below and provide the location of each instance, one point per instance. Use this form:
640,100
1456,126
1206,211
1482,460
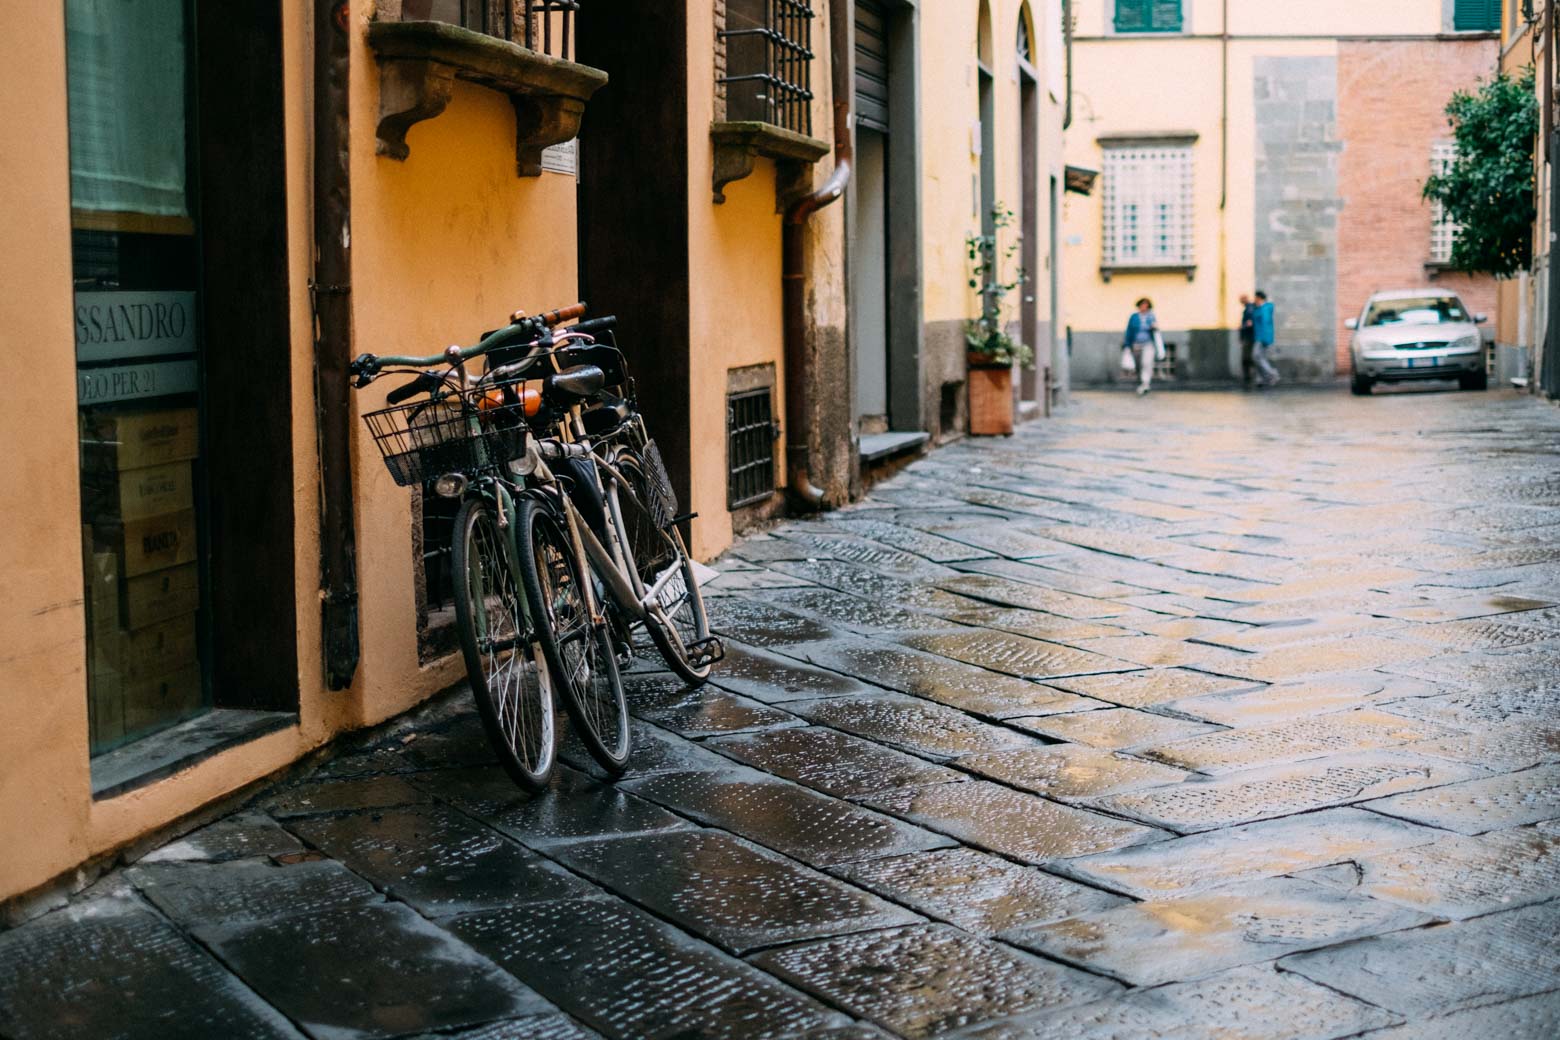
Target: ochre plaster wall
444,246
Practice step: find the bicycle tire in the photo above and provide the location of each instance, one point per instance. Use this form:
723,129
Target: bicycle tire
578,648
513,693
686,621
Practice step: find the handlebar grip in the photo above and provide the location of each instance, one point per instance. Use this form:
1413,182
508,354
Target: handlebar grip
364,368
596,325
576,310
419,385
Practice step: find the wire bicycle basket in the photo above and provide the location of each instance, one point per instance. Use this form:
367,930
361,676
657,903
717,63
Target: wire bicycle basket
660,499
460,431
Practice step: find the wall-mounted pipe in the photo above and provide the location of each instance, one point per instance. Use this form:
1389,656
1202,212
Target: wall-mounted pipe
793,268
332,294
1067,35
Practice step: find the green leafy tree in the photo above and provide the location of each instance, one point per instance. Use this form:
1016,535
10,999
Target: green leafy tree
1487,190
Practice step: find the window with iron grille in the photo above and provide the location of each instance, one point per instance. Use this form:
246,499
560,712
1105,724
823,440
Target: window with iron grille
1148,206
750,446
1443,230
544,26
769,63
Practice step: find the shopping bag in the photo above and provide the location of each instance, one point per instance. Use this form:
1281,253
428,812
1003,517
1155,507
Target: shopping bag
1128,366
1159,347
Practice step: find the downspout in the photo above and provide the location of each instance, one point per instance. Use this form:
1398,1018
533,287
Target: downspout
331,290
1067,35
1550,381
793,271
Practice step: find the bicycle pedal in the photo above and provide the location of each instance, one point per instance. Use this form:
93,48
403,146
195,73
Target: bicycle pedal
706,651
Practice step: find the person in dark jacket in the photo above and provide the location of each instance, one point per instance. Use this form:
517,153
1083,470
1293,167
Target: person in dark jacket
1248,337
1263,326
1140,340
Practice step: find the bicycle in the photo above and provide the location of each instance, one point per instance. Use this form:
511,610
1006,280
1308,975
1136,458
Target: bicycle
522,546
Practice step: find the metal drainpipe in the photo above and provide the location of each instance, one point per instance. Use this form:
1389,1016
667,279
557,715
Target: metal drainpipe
1067,42
332,297
793,269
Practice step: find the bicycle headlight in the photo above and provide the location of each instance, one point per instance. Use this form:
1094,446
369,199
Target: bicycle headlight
451,485
526,464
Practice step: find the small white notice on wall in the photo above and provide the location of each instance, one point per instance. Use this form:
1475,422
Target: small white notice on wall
562,158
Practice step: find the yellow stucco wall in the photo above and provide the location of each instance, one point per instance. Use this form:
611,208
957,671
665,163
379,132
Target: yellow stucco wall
444,246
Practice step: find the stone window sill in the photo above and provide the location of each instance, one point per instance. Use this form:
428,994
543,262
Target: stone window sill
738,146
420,61
1108,272
161,755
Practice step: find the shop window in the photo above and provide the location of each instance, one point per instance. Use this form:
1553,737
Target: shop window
1137,16
768,78
1148,206
544,26
1476,16
177,229
1443,230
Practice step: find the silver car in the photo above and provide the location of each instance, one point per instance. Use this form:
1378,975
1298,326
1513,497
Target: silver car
1416,334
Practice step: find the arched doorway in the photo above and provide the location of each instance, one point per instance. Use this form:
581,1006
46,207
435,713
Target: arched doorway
1030,388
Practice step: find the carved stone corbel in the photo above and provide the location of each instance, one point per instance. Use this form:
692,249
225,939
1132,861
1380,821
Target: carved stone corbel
542,121
410,91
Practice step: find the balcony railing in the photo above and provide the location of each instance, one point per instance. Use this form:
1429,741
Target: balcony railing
543,26
769,63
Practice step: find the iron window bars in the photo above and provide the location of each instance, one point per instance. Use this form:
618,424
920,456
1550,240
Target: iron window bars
537,25
769,63
750,446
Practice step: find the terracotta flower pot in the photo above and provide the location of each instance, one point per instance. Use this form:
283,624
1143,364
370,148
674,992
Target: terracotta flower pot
991,396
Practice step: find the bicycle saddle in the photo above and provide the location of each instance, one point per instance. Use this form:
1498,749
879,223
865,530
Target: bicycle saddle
578,382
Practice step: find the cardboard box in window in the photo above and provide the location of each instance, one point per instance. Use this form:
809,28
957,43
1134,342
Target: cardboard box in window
151,543
133,440
135,494
105,707
102,595
159,649
160,700
160,595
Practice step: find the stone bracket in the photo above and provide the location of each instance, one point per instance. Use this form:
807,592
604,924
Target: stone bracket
420,61
738,146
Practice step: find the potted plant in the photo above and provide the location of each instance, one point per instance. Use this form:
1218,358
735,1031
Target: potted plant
990,351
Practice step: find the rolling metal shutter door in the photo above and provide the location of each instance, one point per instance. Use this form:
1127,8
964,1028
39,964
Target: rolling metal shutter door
871,66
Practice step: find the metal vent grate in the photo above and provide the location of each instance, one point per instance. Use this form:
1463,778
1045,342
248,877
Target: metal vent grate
750,447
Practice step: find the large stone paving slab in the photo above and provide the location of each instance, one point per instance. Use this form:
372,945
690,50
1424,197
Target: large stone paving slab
1213,859
774,679
1317,737
1114,727
854,614
1016,655
242,836
1260,794
1507,746
1256,1003
790,819
1167,940
1009,593
735,895
1483,705
875,585
205,893
633,977
1143,689
1529,1018
1481,805
1012,823
374,971
945,681
1287,700
914,725
1071,771
553,1026
924,982
1431,971
438,860
833,762
979,893
111,968
760,624
1459,877
309,797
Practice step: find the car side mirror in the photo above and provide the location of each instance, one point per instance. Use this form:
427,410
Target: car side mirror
1480,319
1351,323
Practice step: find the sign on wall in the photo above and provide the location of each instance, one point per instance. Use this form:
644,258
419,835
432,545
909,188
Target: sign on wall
131,382
113,326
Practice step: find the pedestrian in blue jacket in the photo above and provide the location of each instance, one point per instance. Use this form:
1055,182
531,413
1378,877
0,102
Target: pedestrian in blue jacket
1141,341
1262,323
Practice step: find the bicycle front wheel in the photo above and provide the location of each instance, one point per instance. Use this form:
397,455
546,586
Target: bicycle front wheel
677,618
578,645
504,660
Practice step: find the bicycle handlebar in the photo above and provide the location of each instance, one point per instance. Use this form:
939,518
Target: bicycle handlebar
365,367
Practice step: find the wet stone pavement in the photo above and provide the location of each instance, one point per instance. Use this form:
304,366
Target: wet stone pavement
1193,716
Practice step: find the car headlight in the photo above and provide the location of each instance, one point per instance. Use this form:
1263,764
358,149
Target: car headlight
1467,343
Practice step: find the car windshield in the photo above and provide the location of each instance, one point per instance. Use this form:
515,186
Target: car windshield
1417,310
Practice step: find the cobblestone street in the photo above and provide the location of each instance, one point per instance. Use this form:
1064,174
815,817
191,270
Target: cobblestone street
1196,715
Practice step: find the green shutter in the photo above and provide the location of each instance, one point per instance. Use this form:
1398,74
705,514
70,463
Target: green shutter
1476,16
1134,16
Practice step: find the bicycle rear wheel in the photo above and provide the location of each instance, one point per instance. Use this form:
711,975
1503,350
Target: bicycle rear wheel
678,620
578,646
504,661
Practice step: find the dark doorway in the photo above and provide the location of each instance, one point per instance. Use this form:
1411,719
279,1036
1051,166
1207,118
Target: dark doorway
870,219
1030,389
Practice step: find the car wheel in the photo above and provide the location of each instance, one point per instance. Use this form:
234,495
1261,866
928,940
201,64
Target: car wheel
1474,381
1361,385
